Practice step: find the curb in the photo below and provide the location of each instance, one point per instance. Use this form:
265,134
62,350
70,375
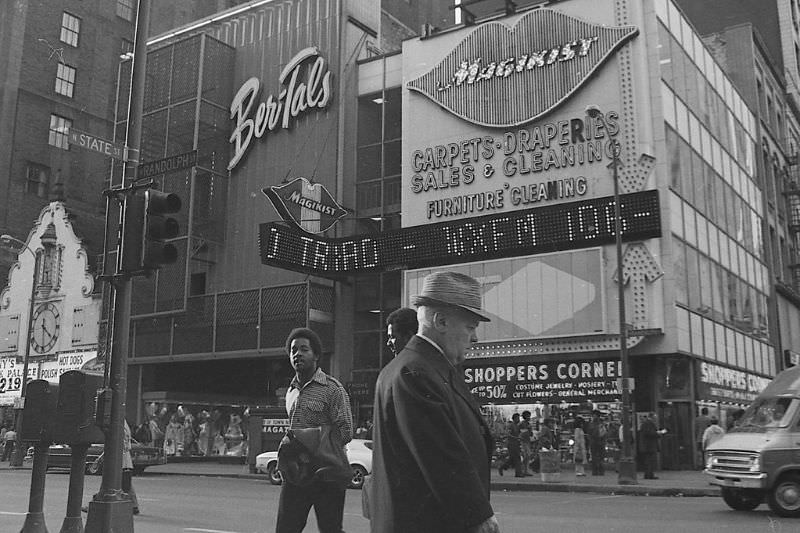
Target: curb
628,490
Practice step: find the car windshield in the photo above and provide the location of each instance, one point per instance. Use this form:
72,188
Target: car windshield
769,413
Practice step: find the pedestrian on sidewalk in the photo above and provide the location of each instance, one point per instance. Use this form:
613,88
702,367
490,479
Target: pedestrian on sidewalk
525,440
598,432
127,467
701,422
314,399
431,445
514,459
712,434
10,441
579,447
649,440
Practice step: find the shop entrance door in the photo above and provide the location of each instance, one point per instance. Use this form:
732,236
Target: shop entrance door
676,446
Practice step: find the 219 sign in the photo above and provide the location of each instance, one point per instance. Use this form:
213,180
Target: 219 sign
10,384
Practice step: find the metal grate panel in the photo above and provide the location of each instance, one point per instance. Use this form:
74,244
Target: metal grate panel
154,131
282,309
152,336
185,69
208,206
181,128
321,298
218,62
237,321
213,144
194,331
156,91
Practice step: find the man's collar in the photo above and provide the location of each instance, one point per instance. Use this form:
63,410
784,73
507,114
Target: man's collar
319,376
438,348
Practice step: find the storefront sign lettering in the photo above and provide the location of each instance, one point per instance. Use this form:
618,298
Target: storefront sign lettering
504,76
294,98
716,382
525,153
470,72
545,382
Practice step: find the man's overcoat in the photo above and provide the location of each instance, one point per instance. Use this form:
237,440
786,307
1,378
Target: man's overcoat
432,447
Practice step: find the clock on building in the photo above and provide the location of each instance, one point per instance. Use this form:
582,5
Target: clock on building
45,326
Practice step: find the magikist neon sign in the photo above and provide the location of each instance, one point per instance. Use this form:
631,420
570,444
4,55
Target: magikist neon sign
294,98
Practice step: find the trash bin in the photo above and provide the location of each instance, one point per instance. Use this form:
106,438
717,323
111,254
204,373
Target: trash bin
550,465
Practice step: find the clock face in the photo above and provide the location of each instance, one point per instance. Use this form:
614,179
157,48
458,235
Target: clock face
44,328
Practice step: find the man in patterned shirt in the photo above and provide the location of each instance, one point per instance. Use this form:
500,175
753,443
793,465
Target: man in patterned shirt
314,399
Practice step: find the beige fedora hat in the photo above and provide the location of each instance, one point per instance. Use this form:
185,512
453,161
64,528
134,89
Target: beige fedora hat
452,289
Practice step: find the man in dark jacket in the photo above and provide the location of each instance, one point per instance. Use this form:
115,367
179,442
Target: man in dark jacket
431,445
649,436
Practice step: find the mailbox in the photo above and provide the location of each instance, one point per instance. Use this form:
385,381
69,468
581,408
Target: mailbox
40,410
75,412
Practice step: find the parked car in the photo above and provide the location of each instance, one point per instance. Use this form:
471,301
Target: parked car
60,456
359,454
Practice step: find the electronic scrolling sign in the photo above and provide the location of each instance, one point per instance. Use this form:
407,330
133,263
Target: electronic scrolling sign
550,228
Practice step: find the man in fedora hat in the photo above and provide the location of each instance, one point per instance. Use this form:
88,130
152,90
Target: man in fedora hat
431,445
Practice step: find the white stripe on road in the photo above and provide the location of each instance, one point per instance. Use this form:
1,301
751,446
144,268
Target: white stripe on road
9,513
201,530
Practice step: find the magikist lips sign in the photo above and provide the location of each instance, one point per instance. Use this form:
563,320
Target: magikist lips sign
307,205
518,73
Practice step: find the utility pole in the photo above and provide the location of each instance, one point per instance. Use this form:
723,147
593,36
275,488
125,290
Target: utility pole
111,509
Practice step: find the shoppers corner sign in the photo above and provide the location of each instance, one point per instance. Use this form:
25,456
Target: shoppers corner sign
297,95
501,76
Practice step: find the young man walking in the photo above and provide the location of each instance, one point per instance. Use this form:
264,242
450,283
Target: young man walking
314,399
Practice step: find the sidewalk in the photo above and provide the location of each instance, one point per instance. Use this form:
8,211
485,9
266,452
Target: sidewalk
670,483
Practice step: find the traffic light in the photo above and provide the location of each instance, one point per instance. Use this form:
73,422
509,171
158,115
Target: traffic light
158,228
131,239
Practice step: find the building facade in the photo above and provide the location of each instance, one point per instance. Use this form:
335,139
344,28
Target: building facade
474,150
470,148
60,64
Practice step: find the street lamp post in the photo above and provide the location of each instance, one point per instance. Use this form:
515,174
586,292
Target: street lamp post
627,465
18,454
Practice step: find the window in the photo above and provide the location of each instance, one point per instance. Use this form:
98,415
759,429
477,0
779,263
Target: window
70,28
59,132
125,9
65,80
37,179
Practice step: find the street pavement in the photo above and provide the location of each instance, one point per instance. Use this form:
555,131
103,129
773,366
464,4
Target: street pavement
226,498
669,483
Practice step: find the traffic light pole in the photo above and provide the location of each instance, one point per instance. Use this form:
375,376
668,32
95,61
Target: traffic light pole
112,510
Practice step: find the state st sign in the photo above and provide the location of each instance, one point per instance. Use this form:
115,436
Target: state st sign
96,144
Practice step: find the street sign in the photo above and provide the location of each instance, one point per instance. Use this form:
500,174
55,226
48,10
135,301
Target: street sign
171,163
96,144
630,382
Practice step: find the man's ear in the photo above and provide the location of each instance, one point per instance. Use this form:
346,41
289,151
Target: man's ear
440,321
